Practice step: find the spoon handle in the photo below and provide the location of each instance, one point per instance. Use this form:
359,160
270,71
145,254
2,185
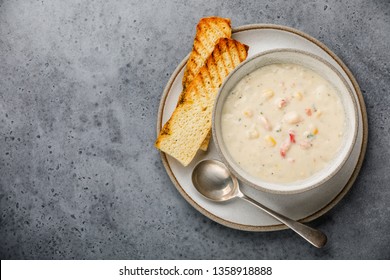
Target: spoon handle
313,236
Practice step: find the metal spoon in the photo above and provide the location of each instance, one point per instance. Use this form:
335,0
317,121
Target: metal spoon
214,181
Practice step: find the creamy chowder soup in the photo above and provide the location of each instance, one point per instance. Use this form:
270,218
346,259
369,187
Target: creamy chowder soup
283,123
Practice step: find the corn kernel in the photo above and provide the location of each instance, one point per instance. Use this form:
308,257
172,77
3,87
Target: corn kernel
269,93
315,131
270,140
298,95
248,113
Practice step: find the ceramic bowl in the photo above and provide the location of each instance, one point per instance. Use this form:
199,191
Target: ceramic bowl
336,170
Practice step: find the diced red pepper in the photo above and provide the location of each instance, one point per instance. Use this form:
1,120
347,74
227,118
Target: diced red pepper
292,136
308,111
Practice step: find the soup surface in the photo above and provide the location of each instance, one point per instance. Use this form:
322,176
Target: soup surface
283,123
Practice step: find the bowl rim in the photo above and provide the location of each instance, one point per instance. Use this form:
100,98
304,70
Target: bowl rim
317,183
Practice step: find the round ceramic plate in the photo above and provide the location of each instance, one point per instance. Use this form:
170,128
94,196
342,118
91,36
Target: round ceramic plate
303,206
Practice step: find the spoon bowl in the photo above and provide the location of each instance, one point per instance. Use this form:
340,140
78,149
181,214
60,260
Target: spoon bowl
214,181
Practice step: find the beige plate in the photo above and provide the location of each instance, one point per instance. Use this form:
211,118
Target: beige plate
305,206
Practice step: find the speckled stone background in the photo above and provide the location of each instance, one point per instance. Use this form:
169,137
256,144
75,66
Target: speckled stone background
80,85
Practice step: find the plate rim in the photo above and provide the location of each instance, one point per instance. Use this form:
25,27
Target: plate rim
319,212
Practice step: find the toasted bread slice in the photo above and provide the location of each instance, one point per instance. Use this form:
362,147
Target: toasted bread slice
183,134
208,31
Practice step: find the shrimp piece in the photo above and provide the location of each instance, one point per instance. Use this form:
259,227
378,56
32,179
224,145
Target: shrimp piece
265,123
287,143
285,147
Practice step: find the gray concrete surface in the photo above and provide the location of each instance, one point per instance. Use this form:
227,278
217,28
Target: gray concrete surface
80,85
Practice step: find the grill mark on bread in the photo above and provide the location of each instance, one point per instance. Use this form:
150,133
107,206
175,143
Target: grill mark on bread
226,58
220,64
241,54
231,45
235,55
211,65
198,46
